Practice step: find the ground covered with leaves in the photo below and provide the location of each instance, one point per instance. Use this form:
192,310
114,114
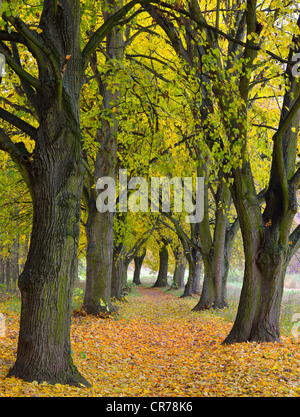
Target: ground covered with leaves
156,346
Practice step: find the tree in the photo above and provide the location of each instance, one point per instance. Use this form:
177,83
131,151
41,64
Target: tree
99,226
126,248
266,232
214,250
228,82
179,269
138,262
54,174
162,277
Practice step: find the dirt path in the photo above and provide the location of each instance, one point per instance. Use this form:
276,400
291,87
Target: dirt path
158,347
155,294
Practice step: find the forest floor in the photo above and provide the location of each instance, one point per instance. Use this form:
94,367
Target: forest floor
156,346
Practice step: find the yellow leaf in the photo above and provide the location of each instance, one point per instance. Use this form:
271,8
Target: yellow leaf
39,30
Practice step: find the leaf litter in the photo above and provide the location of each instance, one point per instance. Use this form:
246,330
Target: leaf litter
156,346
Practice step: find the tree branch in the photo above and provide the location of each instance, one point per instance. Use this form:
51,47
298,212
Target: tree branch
15,106
24,75
29,91
180,232
104,29
295,179
17,151
139,243
19,123
12,37
279,153
203,24
294,244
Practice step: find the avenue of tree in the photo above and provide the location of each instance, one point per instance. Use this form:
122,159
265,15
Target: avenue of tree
161,89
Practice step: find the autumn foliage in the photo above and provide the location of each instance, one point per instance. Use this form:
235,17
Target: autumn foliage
156,346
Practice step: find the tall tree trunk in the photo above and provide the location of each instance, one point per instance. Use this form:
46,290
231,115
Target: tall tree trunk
214,285
216,251
162,278
99,227
55,178
97,296
138,262
44,352
196,285
193,283
179,271
258,313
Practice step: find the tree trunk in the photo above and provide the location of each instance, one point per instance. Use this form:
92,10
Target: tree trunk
99,233
217,251
179,271
259,307
213,293
193,283
46,283
265,248
138,262
55,176
162,278
178,276
196,285
119,272
99,227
